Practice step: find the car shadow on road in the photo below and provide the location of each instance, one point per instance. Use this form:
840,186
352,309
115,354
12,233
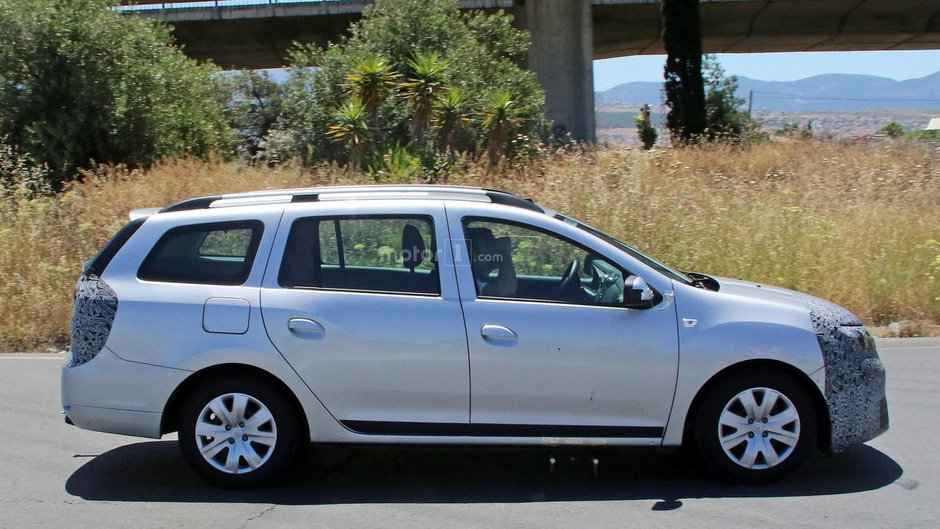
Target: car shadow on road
155,471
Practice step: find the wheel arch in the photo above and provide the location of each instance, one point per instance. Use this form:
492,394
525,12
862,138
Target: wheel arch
171,411
824,431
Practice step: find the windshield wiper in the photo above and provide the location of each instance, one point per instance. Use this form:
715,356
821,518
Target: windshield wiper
702,281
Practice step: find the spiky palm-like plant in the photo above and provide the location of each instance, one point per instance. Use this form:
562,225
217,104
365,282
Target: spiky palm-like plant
424,84
500,116
451,114
371,80
351,128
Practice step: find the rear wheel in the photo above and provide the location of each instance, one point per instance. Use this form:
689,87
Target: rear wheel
238,432
755,428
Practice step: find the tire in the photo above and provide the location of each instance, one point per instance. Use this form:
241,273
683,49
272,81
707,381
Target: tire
238,432
741,439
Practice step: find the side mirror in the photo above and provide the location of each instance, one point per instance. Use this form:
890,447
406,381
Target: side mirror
637,294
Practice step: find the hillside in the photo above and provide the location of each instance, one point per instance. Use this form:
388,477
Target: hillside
829,92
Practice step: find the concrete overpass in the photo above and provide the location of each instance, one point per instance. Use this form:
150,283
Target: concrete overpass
566,34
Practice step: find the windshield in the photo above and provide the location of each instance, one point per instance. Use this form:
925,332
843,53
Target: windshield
640,256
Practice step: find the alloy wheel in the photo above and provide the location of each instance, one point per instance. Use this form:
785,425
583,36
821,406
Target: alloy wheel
236,433
759,428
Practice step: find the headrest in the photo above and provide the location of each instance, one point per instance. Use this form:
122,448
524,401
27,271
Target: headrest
480,248
412,247
505,283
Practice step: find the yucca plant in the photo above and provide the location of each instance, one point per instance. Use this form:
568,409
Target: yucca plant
500,116
452,112
425,83
371,80
351,128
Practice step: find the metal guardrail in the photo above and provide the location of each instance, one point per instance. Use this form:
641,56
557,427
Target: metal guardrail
158,6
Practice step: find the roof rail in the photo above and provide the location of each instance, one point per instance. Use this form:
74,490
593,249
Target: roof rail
508,199
192,203
316,194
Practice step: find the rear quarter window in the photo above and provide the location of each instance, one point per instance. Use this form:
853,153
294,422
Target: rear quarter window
219,253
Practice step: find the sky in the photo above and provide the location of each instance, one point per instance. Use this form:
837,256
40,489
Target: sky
897,65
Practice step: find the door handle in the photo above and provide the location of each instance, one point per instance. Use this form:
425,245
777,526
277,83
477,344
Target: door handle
498,331
305,325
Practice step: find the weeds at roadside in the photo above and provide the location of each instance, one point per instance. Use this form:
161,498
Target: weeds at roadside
855,224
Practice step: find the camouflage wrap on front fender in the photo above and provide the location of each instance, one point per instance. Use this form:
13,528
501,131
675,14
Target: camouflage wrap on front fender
855,377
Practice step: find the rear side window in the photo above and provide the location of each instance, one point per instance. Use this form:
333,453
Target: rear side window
220,253
364,253
96,266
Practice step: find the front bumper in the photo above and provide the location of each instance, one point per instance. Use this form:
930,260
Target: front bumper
855,386
110,394
855,377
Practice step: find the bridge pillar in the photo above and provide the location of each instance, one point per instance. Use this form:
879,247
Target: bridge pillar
561,56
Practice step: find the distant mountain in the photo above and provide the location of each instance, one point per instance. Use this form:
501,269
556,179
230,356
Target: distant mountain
820,92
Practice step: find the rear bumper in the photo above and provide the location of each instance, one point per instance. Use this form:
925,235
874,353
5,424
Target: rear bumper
110,394
110,420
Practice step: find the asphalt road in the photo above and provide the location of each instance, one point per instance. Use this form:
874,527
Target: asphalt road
54,475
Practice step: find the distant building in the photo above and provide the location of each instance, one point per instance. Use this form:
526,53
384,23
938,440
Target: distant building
934,124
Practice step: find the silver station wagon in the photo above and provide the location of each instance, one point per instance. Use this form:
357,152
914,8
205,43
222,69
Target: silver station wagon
254,324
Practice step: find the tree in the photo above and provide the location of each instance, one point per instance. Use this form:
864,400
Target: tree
433,53
645,129
725,118
253,106
892,130
685,93
81,83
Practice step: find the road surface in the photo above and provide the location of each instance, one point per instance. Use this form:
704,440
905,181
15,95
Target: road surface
58,476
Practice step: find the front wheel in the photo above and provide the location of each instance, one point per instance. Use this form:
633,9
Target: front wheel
238,432
755,428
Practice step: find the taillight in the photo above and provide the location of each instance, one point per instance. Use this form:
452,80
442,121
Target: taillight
93,309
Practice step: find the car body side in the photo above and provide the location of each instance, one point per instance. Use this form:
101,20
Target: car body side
714,331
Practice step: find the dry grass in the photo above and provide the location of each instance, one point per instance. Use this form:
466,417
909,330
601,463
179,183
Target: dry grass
859,225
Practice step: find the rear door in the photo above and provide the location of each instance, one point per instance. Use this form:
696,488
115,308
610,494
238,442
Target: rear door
362,304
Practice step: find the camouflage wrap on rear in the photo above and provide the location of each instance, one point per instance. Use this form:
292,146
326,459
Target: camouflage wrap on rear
93,314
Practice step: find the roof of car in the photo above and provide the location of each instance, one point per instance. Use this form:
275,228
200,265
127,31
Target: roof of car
368,192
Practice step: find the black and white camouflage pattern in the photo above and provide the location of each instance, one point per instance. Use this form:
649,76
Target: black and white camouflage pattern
93,314
855,377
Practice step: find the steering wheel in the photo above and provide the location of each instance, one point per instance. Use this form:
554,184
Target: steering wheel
570,284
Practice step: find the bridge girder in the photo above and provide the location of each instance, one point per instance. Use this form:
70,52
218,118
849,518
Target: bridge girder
259,36
567,34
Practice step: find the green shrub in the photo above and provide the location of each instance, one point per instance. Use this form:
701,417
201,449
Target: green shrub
20,177
395,164
892,130
924,134
80,84
646,131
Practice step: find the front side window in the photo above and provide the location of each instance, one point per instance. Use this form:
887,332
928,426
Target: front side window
638,255
218,253
365,253
514,261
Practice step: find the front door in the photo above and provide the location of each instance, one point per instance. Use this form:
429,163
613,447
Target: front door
553,352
